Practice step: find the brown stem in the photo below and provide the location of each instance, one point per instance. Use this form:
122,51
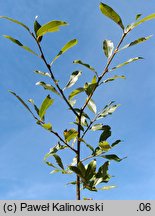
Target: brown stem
104,72
53,77
78,195
56,134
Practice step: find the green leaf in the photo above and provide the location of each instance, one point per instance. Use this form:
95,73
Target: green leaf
70,134
44,106
48,87
92,106
138,41
20,44
51,26
76,123
76,92
50,164
108,48
37,26
109,12
35,107
21,100
73,79
54,150
81,167
89,88
47,126
84,64
127,62
138,16
91,168
107,187
104,145
97,127
72,183
58,161
103,170
67,46
147,18
106,133
76,170
16,21
112,157
108,110
42,73
83,113
116,143
88,145
114,78
72,102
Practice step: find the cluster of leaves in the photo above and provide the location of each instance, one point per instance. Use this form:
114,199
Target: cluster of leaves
88,174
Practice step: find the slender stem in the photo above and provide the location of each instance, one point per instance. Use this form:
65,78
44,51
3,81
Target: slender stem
104,71
61,139
53,77
90,124
78,195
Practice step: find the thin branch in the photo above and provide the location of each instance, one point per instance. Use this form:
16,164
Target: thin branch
53,77
104,71
61,139
78,155
88,127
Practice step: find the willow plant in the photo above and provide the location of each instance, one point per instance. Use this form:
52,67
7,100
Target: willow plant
89,173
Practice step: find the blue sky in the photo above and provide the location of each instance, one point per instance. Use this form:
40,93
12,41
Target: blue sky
23,144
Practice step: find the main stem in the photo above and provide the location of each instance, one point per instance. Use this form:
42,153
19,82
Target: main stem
78,194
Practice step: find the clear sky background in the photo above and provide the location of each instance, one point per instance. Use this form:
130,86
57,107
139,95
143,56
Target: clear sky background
23,144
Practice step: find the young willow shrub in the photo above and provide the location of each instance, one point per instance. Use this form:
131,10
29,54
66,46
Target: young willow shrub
89,175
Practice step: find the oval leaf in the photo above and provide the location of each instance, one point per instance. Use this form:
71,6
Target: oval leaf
76,92
47,126
91,168
42,73
92,106
70,134
138,16
20,44
48,87
81,168
116,143
104,145
108,48
103,170
113,157
84,64
76,170
114,78
35,107
51,26
97,127
127,62
107,187
37,26
44,106
147,18
108,110
21,100
73,79
16,21
67,46
138,41
58,161
109,12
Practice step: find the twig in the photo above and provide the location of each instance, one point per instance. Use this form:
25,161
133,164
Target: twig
53,77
